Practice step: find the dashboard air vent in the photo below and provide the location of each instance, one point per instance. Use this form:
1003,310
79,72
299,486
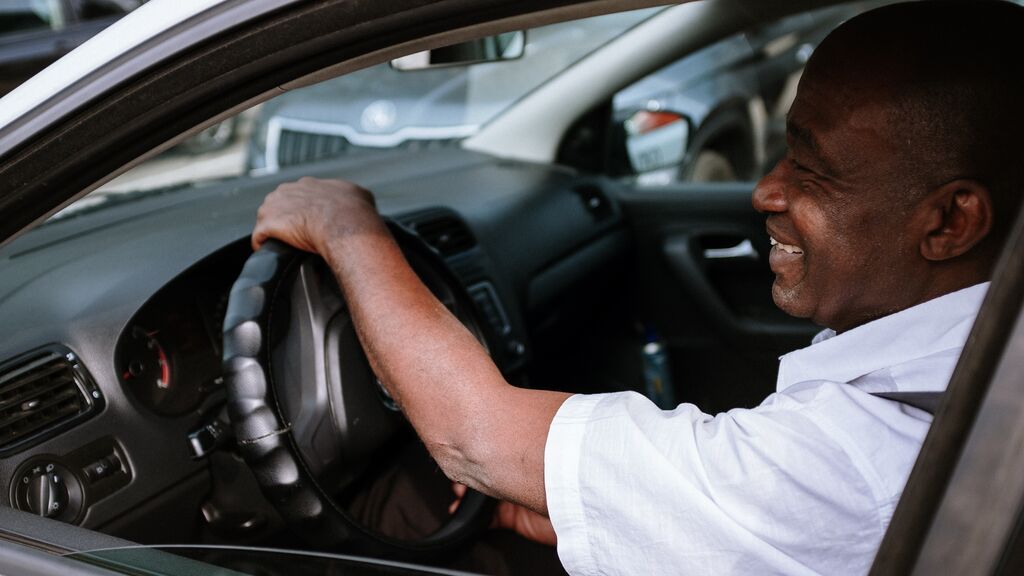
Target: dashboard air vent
443,230
40,394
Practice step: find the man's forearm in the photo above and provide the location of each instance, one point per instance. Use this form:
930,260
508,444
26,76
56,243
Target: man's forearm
482,431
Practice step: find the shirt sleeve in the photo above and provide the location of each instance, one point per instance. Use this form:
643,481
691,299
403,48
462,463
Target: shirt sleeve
632,489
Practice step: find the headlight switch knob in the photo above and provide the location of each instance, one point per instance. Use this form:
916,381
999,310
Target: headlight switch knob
46,495
49,489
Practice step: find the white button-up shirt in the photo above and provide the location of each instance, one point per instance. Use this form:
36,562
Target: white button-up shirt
805,483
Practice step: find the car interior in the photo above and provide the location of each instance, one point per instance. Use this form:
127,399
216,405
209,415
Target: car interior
123,313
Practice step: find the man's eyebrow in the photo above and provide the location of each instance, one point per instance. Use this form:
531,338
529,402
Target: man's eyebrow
802,134
806,137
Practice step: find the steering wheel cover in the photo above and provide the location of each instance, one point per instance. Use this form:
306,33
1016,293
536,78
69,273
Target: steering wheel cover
265,440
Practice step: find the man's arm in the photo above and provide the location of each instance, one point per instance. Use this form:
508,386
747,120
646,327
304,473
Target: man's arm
482,431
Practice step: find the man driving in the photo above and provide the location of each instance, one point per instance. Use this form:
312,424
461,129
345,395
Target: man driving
886,218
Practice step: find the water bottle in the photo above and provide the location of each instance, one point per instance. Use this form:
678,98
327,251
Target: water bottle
657,376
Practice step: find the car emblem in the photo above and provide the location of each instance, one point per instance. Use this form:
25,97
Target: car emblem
379,116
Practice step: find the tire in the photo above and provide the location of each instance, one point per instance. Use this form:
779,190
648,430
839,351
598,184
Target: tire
712,166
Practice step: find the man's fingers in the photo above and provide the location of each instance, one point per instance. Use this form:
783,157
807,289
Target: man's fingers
460,492
265,231
459,489
507,515
306,213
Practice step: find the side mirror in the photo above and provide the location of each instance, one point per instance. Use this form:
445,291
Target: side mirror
656,140
507,46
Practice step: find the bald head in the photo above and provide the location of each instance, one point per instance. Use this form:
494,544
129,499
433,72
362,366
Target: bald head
948,75
903,170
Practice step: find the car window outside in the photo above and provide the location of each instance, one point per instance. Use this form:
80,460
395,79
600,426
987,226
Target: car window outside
369,110
96,9
28,15
731,98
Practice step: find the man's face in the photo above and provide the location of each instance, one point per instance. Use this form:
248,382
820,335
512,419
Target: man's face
837,208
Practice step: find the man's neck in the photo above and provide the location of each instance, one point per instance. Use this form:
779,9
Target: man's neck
939,286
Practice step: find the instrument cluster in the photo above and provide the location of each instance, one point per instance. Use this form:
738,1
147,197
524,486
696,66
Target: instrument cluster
169,356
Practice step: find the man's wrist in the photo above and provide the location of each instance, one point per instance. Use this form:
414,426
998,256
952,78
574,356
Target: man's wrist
343,242
357,220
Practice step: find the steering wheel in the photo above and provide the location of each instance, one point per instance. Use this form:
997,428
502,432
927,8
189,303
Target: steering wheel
307,411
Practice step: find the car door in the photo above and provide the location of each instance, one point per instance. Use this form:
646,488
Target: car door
703,283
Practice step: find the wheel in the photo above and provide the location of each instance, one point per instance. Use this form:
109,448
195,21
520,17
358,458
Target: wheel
712,166
308,414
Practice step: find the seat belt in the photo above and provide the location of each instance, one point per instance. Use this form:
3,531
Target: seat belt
927,401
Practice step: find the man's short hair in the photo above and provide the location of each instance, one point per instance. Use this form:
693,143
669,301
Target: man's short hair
951,73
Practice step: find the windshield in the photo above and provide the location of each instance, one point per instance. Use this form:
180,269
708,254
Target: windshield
370,110
382,107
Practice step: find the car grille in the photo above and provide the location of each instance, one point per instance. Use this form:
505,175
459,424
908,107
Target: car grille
299,146
304,147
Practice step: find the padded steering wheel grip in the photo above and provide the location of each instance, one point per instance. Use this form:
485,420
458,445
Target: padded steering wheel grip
261,436
264,439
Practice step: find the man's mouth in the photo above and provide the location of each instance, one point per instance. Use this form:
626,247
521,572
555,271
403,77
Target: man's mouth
788,248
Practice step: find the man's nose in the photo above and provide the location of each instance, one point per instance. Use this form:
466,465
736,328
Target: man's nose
770,192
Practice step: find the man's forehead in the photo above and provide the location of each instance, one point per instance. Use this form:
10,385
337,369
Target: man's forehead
916,93
847,130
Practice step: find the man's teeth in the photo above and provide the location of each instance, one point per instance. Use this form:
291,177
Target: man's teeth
788,248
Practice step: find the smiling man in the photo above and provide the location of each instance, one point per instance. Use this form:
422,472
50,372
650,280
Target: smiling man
886,218
898,142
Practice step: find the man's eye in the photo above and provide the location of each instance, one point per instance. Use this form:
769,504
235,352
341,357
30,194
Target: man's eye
797,165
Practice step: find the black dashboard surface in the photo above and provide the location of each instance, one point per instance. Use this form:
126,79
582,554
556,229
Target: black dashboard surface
145,277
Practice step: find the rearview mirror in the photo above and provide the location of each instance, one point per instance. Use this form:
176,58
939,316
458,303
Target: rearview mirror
656,140
507,46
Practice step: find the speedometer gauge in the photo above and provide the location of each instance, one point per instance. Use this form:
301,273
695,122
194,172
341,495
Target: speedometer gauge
147,367
146,362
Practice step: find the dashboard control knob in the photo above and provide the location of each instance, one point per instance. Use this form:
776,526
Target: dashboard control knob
46,495
49,489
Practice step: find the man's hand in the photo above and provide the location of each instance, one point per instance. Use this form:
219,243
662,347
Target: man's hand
309,213
480,430
519,519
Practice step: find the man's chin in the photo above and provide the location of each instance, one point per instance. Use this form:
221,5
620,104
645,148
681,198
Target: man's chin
790,300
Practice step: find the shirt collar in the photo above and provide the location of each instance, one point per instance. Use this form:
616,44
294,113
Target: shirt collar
933,326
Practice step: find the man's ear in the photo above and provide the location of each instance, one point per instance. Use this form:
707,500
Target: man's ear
956,216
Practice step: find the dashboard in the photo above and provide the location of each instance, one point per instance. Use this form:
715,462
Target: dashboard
135,293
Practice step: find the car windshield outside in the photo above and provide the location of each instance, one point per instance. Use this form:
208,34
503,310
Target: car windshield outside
386,107
377,108
715,115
